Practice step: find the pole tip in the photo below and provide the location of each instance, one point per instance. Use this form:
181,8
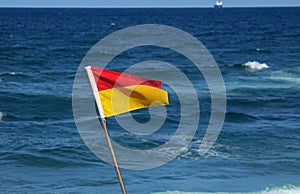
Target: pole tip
87,67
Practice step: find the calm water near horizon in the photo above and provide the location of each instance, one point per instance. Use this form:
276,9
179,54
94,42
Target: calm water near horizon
257,51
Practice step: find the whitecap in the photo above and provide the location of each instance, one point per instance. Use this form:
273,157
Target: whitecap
254,65
285,189
2,115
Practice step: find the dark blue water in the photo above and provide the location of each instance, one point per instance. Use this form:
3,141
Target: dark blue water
258,149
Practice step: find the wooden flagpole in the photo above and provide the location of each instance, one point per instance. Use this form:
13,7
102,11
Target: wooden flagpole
103,123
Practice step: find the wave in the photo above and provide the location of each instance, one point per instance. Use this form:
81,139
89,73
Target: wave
36,107
13,73
37,120
287,76
250,65
254,65
238,117
58,157
2,115
217,151
288,188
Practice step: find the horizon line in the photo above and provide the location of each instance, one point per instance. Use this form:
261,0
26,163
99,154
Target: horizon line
139,7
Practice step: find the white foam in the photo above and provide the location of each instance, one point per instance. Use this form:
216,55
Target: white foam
286,189
254,65
285,76
2,115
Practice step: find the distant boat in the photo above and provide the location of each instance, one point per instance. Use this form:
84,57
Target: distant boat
218,4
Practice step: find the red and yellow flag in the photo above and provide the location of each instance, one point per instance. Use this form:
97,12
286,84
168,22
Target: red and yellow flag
120,92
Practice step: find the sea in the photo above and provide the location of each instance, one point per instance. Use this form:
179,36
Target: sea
257,51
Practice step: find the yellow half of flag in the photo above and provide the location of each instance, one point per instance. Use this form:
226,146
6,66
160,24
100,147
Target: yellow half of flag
120,93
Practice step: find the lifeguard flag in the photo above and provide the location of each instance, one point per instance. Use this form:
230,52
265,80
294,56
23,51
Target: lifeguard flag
120,92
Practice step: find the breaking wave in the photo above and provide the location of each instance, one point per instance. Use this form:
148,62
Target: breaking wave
285,189
254,65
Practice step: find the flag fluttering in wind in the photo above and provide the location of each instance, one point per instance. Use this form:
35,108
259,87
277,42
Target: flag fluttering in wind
117,93
120,92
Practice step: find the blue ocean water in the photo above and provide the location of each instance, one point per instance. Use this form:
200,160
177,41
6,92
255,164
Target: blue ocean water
258,150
